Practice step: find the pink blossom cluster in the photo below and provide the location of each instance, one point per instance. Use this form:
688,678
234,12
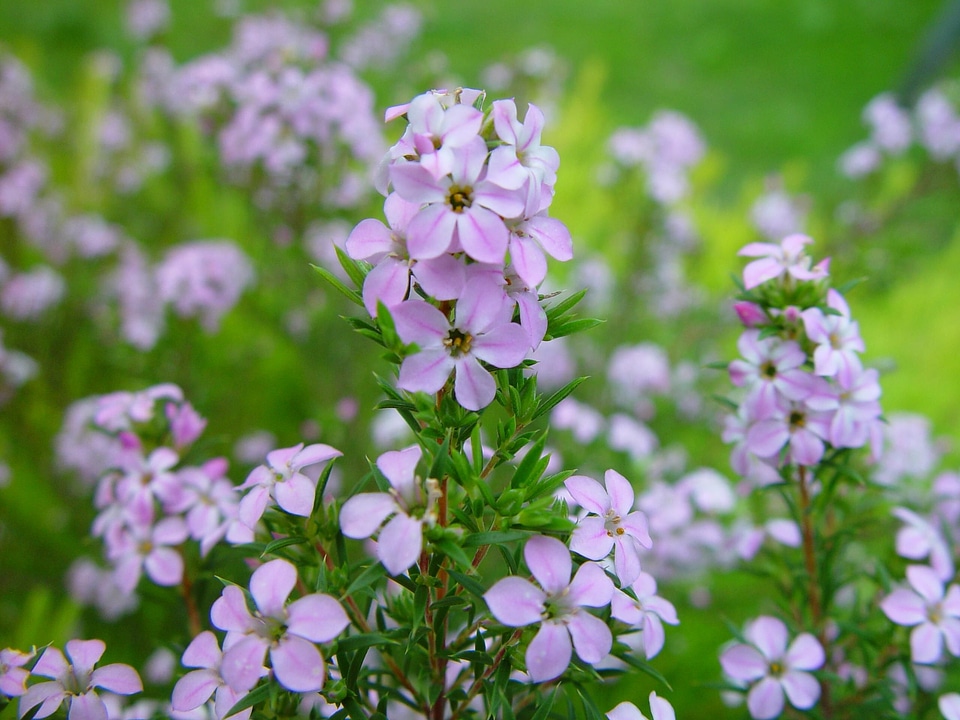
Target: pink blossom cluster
466,242
384,39
805,387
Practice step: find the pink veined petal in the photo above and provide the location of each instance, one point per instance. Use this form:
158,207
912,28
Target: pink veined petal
549,653
533,318
271,585
297,664
743,662
229,611
805,447
553,236
461,123
313,454
590,587
502,201
663,608
316,617
591,637
505,120
194,689
636,525
626,559
53,664
388,283
281,458
926,643
549,561
653,636
769,634
202,652
590,538
399,213
765,699
759,271
626,711
480,305
420,322
164,566
117,678
362,514
504,168
242,664
621,492
87,706
369,239
252,506
805,653
802,689
474,387
13,683
127,572
482,233
468,161
625,609
84,654
759,249
430,232
926,582
399,467
767,437
504,346
531,129
427,371
415,184
400,543
588,493
904,607
441,277
515,602
296,495
660,708
528,259
49,695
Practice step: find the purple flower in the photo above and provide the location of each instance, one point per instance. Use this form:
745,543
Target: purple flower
775,668
282,480
436,131
13,677
75,681
787,258
401,539
287,631
949,705
648,611
837,338
196,687
516,602
798,427
482,331
936,617
613,524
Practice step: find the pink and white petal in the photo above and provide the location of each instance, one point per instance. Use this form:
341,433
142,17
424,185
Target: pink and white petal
802,689
636,525
313,454
430,233
765,699
661,709
468,161
743,662
298,664
316,617
400,543
83,654
242,664
626,559
474,387
252,505
926,582
515,602
427,371
202,652
533,318
663,608
767,437
591,637
504,346
590,587
588,493
271,585
225,698
949,705
505,121
621,492
759,271
49,695
553,236
441,277
229,611
805,653
387,283
420,322
461,123
926,643
53,664
369,239
399,467
296,495
500,201
118,678
415,184
626,711
770,636
87,706
549,561
653,636
504,168
625,609
194,689
759,249
481,304
904,607
591,539
362,514
549,653
531,129
482,234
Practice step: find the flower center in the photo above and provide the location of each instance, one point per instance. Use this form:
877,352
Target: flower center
458,343
776,669
460,197
612,523
768,370
797,419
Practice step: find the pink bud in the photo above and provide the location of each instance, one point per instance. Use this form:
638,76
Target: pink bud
750,314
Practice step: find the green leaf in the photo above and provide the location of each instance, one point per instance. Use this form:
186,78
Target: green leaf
644,667
355,271
351,295
454,552
367,578
359,642
544,710
524,473
569,327
495,537
257,695
468,583
557,397
565,305
272,547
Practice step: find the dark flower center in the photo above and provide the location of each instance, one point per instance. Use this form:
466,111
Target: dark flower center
460,197
458,342
768,370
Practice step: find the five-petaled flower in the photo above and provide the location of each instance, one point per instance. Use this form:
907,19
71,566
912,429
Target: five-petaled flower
936,616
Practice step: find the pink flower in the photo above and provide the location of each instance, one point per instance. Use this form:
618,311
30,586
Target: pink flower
774,668
13,677
287,631
516,602
798,428
648,611
936,617
196,687
75,681
435,131
613,524
282,480
482,331
660,709
771,370
787,258
949,705
401,539
837,338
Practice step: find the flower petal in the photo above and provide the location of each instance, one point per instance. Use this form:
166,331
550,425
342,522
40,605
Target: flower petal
765,699
549,561
194,689
802,689
549,653
590,494
591,637
271,584
316,617
362,514
400,543
515,602
298,664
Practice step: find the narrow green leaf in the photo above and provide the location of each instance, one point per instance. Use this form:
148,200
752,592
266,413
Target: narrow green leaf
524,474
272,547
355,271
367,578
544,710
259,694
454,552
555,311
569,327
468,583
359,642
495,537
557,397
351,295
